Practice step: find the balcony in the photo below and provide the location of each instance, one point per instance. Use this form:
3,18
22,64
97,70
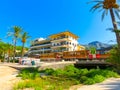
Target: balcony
40,50
58,46
61,39
37,46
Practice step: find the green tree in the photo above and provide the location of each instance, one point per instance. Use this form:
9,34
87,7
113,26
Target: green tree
115,57
3,50
112,7
10,51
92,50
16,30
24,38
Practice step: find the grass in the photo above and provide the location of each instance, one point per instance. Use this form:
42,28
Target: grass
61,79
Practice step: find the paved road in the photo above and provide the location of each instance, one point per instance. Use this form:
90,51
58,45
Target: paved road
109,84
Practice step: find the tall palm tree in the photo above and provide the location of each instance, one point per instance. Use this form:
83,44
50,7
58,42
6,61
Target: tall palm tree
112,7
24,38
9,51
16,30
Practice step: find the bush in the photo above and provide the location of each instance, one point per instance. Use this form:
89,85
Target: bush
58,72
83,72
29,73
115,57
83,79
93,72
89,81
98,78
61,79
49,71
108,73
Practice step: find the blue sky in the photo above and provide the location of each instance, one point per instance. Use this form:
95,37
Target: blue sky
41,18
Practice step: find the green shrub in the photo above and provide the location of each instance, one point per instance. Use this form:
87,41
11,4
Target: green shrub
29,70
49,71
108,73
89,81
28,75
61,79
21,85
98,78
115,57
83,79
93,72
83,72
70,70
58,72
38,88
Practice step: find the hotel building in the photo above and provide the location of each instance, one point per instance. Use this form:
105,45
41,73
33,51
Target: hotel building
61,42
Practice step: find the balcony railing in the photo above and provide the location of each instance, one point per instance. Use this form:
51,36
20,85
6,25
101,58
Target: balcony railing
40,50
64,45
40,45
61,39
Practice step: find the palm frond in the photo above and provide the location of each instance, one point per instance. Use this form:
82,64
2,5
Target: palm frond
106,10
117,30
118,9
103,15
110,29
95,7
118,23
9,34
100,10
117,13
95,1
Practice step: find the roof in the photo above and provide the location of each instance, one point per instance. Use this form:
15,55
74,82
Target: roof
64,33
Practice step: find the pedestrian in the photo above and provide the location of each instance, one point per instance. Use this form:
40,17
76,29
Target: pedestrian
23,62
33,62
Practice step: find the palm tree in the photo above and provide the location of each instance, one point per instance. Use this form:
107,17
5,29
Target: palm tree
112,7
16,30
9,51
24,38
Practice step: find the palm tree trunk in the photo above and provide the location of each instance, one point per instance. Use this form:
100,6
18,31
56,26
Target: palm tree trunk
4,57
115,28
22,52
9,55
14,51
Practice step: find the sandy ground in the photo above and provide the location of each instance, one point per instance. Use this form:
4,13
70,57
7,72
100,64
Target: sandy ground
7,77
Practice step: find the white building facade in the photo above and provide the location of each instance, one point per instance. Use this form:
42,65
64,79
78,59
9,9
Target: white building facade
61,42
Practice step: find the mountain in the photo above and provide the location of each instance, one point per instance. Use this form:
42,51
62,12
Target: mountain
98,45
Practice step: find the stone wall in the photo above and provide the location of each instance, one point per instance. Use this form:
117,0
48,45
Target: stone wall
59,65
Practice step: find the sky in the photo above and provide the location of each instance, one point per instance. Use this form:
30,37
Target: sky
41,18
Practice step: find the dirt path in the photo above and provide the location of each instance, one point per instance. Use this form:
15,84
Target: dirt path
7,77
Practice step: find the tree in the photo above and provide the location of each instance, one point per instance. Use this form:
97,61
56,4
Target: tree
3,50
9,51
16,30
24,38
92,50
115,57
112,7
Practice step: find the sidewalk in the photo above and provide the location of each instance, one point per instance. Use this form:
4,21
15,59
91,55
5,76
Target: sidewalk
7,77
109,84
